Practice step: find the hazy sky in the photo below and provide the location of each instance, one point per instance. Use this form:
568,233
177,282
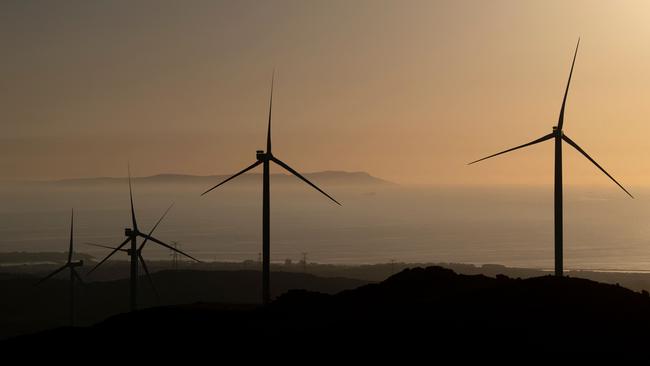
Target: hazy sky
407,90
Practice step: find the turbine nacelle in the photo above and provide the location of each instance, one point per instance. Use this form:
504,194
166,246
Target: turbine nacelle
78,263
557,131
128,232
261,156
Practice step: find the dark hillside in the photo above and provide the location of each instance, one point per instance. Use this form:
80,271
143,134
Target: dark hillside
423,309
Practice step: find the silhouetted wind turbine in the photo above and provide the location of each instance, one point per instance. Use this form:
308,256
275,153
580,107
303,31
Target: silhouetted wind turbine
73,273
140,258
265,158
559,135
134,252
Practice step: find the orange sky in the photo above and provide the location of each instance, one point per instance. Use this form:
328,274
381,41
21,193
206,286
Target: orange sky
407,90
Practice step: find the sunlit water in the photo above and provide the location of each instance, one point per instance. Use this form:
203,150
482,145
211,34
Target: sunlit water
604,229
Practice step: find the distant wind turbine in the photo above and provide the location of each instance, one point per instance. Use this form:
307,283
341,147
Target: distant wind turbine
135,252
265,159
140,258
73,273
559,135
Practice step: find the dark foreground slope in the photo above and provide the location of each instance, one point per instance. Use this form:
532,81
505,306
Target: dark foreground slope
430,310
25,308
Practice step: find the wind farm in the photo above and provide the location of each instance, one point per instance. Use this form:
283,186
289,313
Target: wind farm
378,106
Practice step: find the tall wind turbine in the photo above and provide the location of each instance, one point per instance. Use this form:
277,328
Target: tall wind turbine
265,158
73,273
134,252
558,135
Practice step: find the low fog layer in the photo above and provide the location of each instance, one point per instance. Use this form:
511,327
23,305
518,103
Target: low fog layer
378,222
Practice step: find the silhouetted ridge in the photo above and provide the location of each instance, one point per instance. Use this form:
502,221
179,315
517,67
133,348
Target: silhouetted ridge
431,308
439,297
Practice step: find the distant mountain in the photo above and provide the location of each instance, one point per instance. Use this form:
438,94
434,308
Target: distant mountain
325,177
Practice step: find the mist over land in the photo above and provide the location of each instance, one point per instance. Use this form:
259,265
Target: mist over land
379,221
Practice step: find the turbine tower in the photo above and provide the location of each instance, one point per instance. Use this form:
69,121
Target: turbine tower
135,252
175,256
265,158
73,273
559,136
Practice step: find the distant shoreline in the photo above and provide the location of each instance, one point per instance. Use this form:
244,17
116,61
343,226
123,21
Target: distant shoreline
56,258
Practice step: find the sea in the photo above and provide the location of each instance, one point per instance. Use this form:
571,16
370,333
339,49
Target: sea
509,225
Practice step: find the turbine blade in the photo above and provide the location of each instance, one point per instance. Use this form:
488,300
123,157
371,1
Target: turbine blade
76,275
168,246
108,256
234,176
106,246
135,224
560,121
541,139
572,143
285,166
268,132
146,271
71,228
155,226
51,275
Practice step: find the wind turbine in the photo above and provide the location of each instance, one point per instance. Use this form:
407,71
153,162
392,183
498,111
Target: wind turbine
73,273
265,158
140,258
558,135
135,252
